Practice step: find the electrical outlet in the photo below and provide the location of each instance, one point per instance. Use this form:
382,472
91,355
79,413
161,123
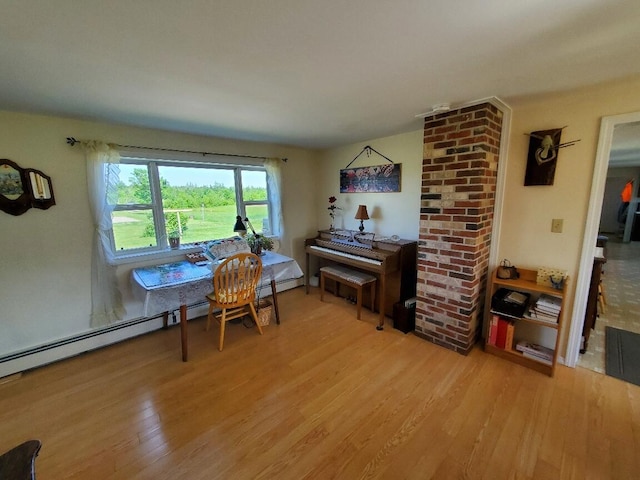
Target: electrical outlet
556,225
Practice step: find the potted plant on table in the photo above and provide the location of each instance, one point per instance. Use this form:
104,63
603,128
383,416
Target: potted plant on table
174,239
258,242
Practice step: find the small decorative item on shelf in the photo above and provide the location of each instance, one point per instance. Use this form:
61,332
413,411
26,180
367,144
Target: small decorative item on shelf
258,242
174,239
551,277
332,210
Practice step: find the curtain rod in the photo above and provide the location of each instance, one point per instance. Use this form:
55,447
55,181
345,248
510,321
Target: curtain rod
72,141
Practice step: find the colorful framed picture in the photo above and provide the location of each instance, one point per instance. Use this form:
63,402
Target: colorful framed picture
373,179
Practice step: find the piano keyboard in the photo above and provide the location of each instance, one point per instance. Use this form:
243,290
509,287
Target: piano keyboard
347,255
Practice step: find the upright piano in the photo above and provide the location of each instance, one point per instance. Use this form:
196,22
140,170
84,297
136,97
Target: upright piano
393,261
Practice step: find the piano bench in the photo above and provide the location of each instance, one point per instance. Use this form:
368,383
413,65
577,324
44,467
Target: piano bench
352,278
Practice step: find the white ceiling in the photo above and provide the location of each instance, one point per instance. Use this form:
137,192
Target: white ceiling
301,72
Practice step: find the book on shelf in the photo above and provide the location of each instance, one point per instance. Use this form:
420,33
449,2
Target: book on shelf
501,336
533,313
544,360
534,350
504,330
508,344
549,302
492,334
548,311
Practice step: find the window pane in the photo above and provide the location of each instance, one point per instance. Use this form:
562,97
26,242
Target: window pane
254,186
134,185
204,199
259,217
133,229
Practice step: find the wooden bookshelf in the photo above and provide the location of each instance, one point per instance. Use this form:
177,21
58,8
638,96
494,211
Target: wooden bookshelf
526,284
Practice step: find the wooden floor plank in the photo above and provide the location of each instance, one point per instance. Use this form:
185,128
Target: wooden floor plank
320,396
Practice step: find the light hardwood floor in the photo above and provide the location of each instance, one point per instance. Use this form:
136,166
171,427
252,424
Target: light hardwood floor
321,396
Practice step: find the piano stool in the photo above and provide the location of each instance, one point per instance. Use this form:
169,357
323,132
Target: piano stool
352,278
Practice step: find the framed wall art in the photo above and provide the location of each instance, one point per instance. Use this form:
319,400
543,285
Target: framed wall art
373,179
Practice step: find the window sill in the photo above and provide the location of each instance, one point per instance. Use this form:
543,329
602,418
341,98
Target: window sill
168,254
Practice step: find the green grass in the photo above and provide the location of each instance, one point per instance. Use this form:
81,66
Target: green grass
202,225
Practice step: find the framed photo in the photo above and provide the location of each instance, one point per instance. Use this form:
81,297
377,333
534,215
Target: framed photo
373,179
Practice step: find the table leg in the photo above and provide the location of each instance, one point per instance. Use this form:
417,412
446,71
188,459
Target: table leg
274,295
183,331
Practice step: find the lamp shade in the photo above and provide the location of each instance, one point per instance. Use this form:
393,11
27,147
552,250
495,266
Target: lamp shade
362,214
240,227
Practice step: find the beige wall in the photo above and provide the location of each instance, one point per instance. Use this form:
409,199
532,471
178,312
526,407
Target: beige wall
526,238
45,255
391,213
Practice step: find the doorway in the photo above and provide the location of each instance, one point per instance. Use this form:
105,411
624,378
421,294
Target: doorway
617,161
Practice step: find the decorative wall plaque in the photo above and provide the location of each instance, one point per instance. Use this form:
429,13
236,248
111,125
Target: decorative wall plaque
23,188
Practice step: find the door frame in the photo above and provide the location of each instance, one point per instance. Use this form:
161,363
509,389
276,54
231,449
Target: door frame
592,225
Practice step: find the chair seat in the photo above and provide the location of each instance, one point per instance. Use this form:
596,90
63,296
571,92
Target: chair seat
19,462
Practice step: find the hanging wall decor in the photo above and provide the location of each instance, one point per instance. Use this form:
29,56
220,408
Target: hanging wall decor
543,156
23,188
370,179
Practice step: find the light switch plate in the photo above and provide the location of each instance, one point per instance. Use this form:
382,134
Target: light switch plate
556,225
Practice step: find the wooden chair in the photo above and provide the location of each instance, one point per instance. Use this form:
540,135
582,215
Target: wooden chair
234,289
19,462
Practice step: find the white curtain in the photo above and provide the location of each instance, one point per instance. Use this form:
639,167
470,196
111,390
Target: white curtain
274,187
102,181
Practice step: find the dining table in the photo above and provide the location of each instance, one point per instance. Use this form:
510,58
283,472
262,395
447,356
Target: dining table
179,285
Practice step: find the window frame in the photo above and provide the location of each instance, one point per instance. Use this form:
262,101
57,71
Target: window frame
151,163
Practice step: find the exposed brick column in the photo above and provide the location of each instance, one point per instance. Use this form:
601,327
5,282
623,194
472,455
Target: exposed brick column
459,168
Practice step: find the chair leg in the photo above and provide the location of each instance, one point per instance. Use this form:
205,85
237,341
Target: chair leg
223,321
255,317
601,299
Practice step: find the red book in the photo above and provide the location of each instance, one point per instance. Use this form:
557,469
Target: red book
501,339
493,330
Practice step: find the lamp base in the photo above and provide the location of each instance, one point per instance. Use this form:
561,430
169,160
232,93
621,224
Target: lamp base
361,227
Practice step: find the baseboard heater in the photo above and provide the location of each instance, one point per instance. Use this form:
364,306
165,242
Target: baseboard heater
84,342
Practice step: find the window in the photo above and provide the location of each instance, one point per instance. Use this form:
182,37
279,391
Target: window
198,201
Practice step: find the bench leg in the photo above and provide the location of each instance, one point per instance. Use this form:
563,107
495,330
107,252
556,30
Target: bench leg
373,296
358,300
321,286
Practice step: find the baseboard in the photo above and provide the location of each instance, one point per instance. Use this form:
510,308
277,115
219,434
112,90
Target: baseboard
69,347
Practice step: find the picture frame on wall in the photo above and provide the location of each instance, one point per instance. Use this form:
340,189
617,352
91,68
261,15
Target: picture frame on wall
371,179
542,157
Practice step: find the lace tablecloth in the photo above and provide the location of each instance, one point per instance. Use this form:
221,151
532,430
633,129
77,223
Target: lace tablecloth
163,288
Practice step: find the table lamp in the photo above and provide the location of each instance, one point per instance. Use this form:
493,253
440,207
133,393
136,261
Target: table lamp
240,227
362,215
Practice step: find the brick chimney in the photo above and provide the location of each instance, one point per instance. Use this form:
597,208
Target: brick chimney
459,168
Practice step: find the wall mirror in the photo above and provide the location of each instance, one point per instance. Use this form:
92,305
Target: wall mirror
23,188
